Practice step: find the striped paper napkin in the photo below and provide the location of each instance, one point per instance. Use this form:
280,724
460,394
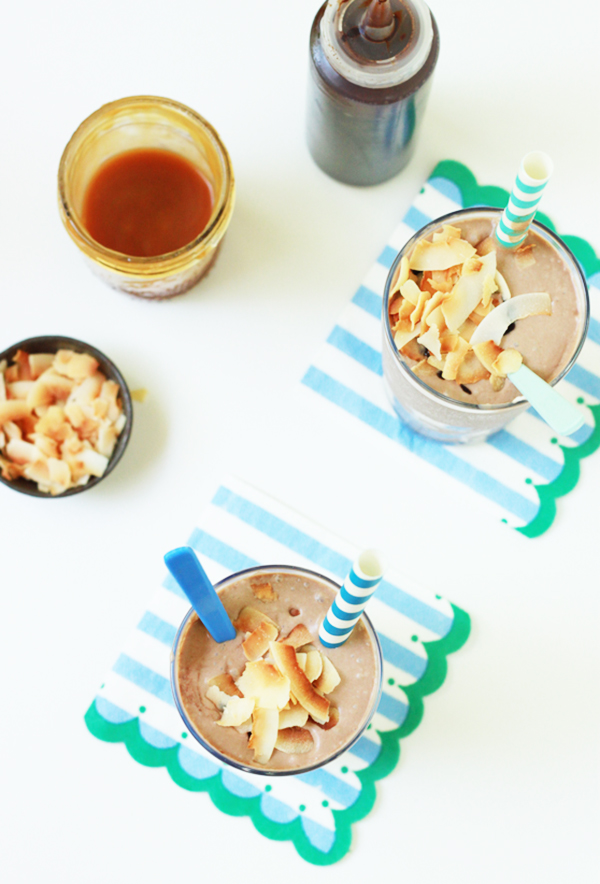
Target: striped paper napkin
243,528
518,472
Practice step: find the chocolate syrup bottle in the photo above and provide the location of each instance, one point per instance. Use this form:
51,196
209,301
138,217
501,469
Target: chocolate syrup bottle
371,63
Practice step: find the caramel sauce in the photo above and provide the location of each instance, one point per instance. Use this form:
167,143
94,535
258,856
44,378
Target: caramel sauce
147,202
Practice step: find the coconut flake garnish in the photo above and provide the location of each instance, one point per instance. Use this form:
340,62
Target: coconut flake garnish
470,289
502,286
440,255
493,327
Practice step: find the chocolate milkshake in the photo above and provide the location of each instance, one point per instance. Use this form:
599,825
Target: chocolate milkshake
437,381
207,676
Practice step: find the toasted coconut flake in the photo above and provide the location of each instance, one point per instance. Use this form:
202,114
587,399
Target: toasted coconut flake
525,256
298,636
285,660
38,472
9,469
60,475
493,327
487,353
94,463
431,340
432,306
217,697
508,361
395,306
486,246
19,389
471,370
106,438
334,717
410,291
440,255
265,684
314,665
454,359
75,365
293,717
48,388
13,410
250,619
403,333
258,641
264,592
502,286
21,452
468,291
21,360
39,363
417,312
402,275
225,683
448,342
237,710
329,678
446,233
294,741
139,395
443,281
13,431
265,724
438,364
435,317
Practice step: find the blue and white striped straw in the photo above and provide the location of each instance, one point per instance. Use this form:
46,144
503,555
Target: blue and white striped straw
358,587
533,175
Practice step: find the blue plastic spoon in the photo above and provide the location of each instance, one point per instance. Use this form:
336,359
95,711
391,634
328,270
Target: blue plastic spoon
191,577
560,414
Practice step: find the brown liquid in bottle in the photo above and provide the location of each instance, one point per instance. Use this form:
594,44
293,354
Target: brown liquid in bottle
360,134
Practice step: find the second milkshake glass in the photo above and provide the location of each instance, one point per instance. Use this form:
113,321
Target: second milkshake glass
259,572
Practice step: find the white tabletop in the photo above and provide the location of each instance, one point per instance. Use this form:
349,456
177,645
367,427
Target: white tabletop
500,781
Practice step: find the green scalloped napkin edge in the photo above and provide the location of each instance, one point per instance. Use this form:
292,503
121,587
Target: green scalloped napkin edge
475,194
150,756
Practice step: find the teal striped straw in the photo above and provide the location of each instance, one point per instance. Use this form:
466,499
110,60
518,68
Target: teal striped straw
358,587
534,172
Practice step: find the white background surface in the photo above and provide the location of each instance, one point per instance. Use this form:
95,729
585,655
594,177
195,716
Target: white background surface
500,781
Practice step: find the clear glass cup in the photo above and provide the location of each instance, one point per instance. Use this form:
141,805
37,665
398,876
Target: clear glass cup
146,121
434,414
332,588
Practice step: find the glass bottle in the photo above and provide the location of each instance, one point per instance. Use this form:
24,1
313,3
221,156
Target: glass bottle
371,65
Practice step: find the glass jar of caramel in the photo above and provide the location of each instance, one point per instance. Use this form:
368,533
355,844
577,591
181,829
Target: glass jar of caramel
146,191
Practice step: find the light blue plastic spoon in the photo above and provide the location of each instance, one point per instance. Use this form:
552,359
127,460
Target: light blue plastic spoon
191,577
564,417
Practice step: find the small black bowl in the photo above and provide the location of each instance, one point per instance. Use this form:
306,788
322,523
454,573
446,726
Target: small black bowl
51,344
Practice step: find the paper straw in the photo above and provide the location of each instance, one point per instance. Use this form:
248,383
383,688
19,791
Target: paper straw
358,587
534,172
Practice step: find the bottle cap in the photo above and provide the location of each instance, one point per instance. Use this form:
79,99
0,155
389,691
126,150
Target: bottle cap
355,44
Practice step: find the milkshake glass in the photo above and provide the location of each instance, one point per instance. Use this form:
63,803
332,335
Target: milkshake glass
432,412
303,596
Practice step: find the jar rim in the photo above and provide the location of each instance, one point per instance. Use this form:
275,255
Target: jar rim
168,261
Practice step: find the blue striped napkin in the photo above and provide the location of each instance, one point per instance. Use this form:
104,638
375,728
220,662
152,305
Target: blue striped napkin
243,528
520,471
